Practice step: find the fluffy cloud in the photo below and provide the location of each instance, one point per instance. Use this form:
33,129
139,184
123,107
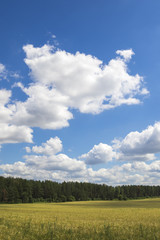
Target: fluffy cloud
87,83
44,108
101,153
126,54
19,169
58,167
136,146
128,173
47,164
55,162
10,133
48,160
65,81
15,134
145,142
51,147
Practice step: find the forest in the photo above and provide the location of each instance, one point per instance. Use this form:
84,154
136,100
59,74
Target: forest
18,190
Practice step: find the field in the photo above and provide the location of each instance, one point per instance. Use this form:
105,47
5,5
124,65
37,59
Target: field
133,219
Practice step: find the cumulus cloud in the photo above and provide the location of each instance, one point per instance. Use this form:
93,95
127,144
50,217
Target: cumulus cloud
101,153
15,134
54,162
49,160
51,147
87,83
145,142
60,167
47,165
10,133
136,146
128,173
19,169
44,108
64,81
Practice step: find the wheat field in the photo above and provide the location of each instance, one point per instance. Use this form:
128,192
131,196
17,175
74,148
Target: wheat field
133,219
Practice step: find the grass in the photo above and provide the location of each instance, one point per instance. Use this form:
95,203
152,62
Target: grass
97,220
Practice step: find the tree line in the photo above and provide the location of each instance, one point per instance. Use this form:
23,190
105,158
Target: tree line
18,190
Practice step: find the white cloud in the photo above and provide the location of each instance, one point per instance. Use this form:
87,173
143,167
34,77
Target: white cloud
4,96
51,147
61,167
10,133
47,166
126,54
2,68
63,81
44,108
128,173
55,162
3,72
58,167
140,143
136,146
101,153
49,160
81,78
15,134
19,169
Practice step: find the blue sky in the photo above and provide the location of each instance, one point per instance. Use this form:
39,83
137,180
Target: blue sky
79,90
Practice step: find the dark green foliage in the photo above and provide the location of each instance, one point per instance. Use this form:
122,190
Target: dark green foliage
17,190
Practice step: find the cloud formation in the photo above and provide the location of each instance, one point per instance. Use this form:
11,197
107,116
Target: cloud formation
65,81
145,142
61,82
51,147
101,153
128,173
46,162
126,54
86,83
10,133
136,146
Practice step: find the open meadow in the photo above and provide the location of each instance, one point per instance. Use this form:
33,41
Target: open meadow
132,219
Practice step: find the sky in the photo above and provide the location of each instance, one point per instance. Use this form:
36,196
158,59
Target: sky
79,90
